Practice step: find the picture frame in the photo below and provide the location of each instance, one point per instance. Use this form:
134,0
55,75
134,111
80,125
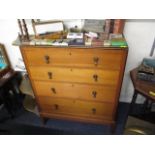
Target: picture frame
47,29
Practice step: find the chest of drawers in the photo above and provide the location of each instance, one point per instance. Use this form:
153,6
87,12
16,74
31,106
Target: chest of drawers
79,84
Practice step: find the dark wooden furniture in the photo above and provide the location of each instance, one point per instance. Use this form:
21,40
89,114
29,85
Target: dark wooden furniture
76,83
9,83
143,88
10,94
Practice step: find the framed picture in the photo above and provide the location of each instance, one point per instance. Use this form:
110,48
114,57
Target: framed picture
43,27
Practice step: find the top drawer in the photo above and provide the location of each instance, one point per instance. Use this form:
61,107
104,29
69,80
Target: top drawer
81,57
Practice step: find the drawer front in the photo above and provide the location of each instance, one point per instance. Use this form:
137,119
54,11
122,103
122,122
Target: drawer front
90,76
76,91
75,107
108,59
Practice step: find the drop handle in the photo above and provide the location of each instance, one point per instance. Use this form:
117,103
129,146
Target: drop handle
56,107
95,77
96,60
50,75
47,59
94,93
94,111
53,90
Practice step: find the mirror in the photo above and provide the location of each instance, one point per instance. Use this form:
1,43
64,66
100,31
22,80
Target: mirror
4,61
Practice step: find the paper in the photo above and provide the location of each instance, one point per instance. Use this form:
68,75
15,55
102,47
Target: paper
51,27
74,35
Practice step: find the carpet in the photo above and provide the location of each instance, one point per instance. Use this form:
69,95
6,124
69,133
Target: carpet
27,123
136,126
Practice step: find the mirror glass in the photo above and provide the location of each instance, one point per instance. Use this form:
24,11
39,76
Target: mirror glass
4,63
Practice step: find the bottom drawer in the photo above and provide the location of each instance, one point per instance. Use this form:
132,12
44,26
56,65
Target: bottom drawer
76,108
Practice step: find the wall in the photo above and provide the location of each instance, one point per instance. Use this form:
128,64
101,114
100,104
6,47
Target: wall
8,33
138,33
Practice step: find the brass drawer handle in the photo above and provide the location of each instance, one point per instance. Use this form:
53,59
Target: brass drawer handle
95,77
96,60
94,111
53,90
47,59
50,75
56,106
94,93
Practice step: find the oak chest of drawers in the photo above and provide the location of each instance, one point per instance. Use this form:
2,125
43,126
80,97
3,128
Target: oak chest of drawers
81,84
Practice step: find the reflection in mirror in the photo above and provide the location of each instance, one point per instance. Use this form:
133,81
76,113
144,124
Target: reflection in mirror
4,63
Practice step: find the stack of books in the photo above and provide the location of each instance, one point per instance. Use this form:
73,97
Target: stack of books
76,42
97,42
114,25
72,35
146,73
118,26
101,40
118,42
75,39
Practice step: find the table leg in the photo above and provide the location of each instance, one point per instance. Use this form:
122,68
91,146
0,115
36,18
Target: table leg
147,106
133,101
150,105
